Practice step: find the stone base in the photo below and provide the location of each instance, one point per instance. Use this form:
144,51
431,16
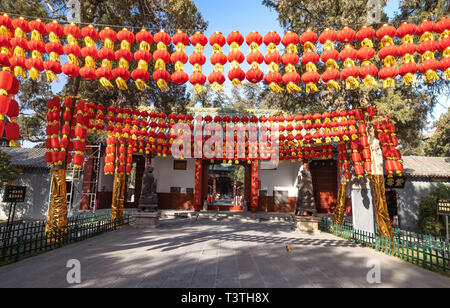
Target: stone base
146,219
306,224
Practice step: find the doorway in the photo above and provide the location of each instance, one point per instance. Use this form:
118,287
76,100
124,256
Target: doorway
226,187
325,178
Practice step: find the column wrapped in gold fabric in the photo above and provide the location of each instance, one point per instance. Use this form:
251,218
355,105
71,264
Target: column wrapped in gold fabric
57,213
340,204
118,197
381,209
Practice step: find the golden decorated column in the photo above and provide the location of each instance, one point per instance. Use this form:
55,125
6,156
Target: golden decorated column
118,197
57,213
377,177
341,199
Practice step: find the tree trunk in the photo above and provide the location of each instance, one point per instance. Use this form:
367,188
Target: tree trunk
377,179
57,212
118,195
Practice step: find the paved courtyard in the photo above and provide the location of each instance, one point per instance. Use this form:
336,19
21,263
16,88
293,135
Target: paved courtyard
220,254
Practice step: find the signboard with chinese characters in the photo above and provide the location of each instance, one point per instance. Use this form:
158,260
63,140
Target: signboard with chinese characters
395,182
444,207
14,193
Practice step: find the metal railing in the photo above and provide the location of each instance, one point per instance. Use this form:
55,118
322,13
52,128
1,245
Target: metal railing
28,239
427,251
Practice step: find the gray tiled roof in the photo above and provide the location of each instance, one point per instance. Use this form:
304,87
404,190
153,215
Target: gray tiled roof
421,166
26,157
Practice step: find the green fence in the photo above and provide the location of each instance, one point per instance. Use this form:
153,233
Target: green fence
424,250
27,239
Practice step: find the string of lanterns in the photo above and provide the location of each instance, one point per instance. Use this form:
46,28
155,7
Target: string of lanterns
301,137
36,47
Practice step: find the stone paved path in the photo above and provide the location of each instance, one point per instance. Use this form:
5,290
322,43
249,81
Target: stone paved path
220,254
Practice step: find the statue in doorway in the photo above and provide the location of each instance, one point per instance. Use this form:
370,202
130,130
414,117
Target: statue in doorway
305,201
148,201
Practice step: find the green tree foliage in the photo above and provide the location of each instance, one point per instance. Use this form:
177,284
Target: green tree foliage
429,222
408,106
8,172
170,15
438,145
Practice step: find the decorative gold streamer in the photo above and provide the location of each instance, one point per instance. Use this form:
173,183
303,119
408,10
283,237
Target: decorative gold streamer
381,209
57,213
118,198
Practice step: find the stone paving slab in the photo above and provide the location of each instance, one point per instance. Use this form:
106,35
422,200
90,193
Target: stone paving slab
216,254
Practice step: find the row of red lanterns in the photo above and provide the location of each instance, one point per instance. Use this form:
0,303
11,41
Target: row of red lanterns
14,47
9,108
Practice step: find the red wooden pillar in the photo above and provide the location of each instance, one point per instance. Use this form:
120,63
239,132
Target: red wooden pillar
198,184
254,187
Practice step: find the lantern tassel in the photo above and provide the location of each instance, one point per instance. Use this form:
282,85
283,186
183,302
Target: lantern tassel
217,87
276,88
409,79
121,84
351,83
34,74
19,72
311,88
141,85
237,82
333,86
431,76
293,88
447,74
106,83
370,82
389,83
162,85
51,76
198,88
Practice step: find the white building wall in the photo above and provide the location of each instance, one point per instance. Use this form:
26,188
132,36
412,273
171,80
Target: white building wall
284,178
37,195
408,200
167,177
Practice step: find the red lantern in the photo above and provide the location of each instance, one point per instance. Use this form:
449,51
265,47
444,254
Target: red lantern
255,57
54,49
290,59
368,71
218,59
143,56
6,29
388,53
197,59
72,50
162,58
310,59
427,47
123,56
273,60
329,57
104,73
35,64
235,57
350,72
179,58
89,52
407,51
20,46
443,27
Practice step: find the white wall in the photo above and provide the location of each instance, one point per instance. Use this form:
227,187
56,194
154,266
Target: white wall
284,178
37,195
408,201
167,177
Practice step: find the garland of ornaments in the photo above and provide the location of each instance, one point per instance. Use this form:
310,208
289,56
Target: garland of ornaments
29,48
128,132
